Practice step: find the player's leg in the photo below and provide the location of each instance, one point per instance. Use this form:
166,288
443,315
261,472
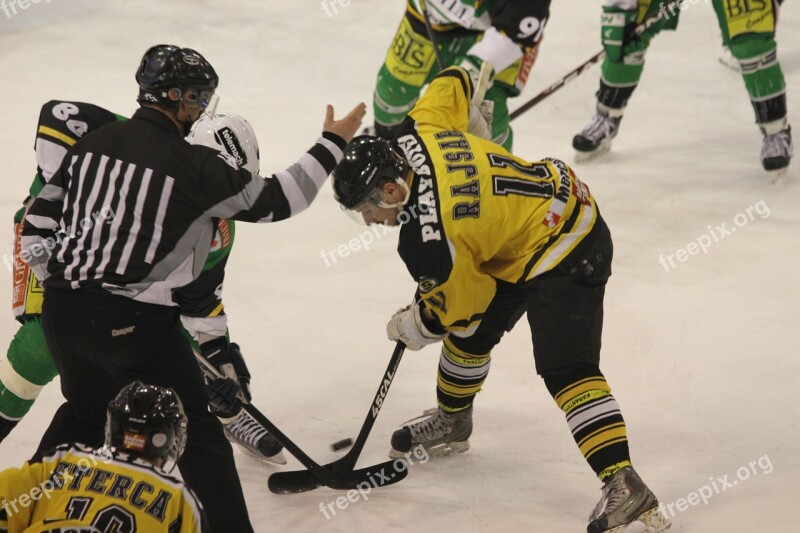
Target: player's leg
27,369
409,65
28,366
509,83
100,343
565,312
218,486
749,32
463,366
244,430
409,62
620,73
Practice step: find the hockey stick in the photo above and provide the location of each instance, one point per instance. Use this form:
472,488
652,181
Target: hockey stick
304,480
431,38
574,73
385,472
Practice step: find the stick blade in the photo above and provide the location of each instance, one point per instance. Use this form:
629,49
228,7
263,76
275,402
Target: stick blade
293,482
375,476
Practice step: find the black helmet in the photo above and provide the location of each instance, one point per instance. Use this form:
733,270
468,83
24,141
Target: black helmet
147,421
167,71
367,160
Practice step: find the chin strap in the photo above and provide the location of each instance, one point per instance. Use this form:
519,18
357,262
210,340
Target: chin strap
398,205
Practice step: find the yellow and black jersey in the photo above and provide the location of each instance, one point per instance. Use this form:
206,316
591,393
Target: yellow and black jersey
74,488
477,213
61,125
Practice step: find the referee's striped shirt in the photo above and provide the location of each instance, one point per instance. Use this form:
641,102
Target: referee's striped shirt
130,210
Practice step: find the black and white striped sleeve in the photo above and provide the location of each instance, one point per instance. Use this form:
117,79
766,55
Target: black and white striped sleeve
302,181
41,225
283,195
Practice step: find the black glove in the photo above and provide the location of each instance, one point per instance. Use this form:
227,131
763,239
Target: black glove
224,397
227,359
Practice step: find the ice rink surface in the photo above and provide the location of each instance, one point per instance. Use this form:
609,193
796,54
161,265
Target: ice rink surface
703,355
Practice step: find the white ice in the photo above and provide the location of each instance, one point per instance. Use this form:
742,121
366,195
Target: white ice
703,358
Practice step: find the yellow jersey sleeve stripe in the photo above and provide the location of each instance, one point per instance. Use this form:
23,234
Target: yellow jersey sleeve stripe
50,132
217,310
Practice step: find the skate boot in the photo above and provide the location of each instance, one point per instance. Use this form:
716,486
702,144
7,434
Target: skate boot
253,439
776,150
439,432
626,500
595,139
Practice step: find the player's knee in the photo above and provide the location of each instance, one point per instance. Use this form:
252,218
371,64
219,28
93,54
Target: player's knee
29,354
752,45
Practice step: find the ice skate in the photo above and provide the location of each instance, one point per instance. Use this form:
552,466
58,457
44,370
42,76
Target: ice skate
439,432
595,139
776,150
254,440
626,501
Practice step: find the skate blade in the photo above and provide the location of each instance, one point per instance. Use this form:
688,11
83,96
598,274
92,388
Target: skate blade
583,157
441,450
775,175
652,521
277,459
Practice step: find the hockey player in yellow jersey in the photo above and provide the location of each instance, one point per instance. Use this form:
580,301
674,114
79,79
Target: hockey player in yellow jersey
488,236
121,487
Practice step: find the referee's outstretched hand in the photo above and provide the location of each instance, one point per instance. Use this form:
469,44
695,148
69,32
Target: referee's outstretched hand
347,127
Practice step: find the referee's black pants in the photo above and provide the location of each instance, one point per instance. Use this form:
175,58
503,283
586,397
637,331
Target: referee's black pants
100,343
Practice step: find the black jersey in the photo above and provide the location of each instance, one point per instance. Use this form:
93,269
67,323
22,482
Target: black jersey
131,211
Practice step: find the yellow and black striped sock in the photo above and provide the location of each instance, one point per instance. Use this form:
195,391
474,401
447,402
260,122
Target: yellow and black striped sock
461,376
594,419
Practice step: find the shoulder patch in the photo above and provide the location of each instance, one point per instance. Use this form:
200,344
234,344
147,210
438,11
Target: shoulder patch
427,284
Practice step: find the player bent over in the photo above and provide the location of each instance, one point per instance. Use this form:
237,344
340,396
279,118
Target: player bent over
123,486
487,236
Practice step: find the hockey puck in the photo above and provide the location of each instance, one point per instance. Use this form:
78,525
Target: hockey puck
341,444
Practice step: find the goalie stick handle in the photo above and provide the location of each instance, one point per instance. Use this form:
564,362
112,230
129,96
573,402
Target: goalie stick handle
429,29
571,75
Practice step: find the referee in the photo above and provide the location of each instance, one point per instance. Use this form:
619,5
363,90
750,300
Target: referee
127,220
